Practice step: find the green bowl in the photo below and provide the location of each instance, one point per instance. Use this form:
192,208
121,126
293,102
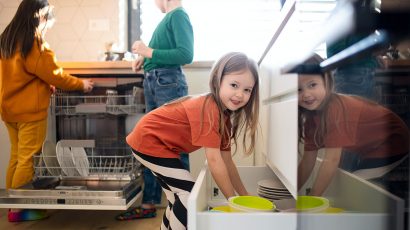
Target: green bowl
251,203
311,204
221,209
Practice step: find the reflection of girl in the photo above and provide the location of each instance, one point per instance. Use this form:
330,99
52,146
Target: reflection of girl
210,121
339,123
28,70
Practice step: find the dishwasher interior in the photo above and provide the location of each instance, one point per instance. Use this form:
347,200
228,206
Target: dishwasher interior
85,162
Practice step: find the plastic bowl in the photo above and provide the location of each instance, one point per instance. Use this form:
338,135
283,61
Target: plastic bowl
311,204
221,209
250,204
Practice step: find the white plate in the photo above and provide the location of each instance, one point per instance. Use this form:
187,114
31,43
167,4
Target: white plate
65,159
273,190
274,197
50,158
271,184
285,204
81,161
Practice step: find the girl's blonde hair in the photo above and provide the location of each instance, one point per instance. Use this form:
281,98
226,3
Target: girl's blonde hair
245,118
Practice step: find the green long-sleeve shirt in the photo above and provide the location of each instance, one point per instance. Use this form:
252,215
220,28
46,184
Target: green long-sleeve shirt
368,61
172,41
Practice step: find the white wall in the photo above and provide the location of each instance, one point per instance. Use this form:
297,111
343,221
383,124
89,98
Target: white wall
82,27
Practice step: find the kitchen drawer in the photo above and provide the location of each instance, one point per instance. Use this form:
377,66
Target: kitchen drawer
367,206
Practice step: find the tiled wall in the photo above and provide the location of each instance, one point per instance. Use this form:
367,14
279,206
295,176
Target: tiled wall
82,27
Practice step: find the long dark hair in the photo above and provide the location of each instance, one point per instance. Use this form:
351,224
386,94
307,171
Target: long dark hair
245,118
331,97
20,33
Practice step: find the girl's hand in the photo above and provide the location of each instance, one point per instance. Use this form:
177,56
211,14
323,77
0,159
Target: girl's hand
137,63
219,171
326,171
88,85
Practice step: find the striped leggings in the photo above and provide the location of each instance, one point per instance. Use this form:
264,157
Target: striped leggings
177,184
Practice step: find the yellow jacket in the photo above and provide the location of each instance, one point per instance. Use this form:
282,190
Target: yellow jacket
25,84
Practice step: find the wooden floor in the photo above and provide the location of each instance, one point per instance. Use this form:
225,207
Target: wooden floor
83,220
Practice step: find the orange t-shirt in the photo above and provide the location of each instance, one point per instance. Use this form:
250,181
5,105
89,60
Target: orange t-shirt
362,127
175,128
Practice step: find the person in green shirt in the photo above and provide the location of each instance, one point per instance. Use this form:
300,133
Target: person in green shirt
170,47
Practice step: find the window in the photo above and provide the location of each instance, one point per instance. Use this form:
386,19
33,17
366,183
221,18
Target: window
221,26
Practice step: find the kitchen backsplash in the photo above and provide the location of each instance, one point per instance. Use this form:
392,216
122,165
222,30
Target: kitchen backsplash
82,27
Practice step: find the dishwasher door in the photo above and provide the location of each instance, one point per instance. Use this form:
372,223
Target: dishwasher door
93,181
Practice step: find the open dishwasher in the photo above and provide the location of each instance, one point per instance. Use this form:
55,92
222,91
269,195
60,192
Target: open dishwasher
85,162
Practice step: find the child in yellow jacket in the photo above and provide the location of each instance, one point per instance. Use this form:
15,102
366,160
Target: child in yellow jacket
28,71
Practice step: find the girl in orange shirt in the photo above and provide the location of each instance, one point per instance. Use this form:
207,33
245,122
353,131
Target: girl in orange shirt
346,124
28,74
210,121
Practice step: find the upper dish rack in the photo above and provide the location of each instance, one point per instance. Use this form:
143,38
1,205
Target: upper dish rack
69,104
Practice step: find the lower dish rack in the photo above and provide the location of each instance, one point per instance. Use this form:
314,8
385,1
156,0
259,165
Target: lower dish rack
75,174
80,159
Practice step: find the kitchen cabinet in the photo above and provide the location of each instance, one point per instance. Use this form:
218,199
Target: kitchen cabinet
365,205
347,191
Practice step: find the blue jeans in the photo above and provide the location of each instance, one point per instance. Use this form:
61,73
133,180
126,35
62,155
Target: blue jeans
161,86
356,81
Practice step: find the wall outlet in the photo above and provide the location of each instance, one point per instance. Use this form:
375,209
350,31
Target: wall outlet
99,25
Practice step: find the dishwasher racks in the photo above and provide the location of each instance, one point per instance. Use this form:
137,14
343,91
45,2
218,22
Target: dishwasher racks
80,159
111,104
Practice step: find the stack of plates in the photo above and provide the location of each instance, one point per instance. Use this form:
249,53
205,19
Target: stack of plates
272,190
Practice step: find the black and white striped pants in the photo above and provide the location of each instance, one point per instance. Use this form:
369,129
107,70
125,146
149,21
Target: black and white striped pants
177,184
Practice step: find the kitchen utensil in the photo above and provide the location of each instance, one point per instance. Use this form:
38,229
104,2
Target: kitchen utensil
334,210
285,204
112,98
271,184
250,204
224,208
311,204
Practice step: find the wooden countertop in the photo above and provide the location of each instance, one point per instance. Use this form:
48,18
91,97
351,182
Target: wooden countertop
114,67
102,67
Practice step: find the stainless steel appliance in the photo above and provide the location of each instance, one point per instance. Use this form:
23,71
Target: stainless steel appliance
85,162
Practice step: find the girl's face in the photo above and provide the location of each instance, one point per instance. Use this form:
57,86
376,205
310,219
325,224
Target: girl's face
312,91
236,89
